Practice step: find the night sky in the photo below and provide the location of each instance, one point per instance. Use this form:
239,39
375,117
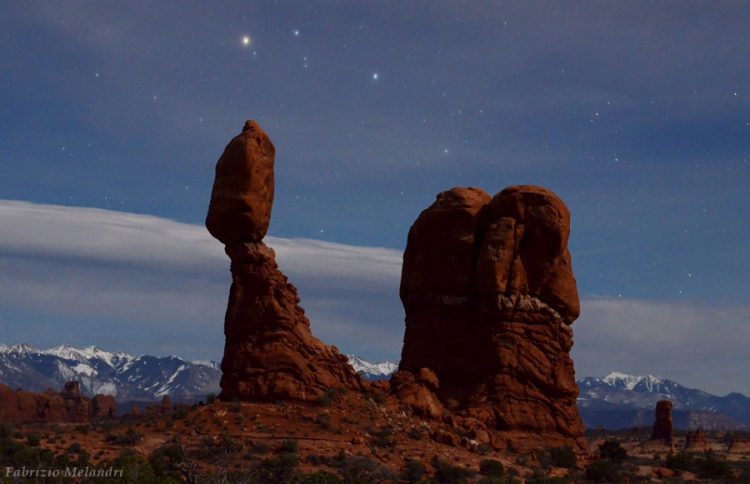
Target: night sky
636,113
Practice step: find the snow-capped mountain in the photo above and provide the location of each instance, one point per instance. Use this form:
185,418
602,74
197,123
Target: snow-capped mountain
617,400
622,400
372,371
126,377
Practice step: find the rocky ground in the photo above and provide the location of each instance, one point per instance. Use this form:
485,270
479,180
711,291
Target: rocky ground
344,437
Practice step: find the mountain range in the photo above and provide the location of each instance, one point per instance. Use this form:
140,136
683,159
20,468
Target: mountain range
124,376
615,401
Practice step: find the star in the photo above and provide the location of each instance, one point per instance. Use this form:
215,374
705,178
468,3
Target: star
246,40
296,32
375,76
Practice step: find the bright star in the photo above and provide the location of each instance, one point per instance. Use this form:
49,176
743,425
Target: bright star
296,32
246,40
375,76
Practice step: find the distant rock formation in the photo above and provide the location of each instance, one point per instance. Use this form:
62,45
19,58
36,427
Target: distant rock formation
49,406
270,353
662,430
489,296
696,441
739,445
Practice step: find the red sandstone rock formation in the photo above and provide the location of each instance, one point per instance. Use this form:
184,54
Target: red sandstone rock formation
663,422
696,441
49,406
739,445
489,295
270,352
103,406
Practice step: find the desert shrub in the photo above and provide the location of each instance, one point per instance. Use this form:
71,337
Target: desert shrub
289,446
130,437
547,480
378,397
447,473
383,437
362,469
320,477
324,421
280,469
682,461
562,457
709,466
612,450
603,470
167,460
414,471
260,448
16,454
331,395
33,440
75,448
136,469
491,468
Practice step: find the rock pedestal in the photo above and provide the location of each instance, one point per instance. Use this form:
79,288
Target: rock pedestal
489,296
662,430
270,352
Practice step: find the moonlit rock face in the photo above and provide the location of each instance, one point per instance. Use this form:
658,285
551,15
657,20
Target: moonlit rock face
270,353
242,194
489,296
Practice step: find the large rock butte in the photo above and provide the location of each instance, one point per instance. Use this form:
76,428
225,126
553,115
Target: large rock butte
489,296
270,352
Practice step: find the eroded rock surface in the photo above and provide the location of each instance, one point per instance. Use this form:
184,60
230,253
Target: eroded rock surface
270,352
489,295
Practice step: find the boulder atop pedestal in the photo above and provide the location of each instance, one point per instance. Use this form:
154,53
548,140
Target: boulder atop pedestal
270,353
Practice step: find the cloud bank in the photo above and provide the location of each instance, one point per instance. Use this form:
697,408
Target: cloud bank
144,284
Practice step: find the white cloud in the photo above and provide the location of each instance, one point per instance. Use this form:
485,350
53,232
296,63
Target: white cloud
95,270
145,284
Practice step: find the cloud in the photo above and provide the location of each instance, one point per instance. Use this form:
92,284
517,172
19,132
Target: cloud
140,283
83,272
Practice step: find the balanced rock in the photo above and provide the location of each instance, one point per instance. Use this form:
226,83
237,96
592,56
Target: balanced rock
242,194
489,296
663,422
270,352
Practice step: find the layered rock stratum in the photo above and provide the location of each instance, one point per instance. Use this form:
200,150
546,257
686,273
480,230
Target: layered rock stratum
489,295
270,353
